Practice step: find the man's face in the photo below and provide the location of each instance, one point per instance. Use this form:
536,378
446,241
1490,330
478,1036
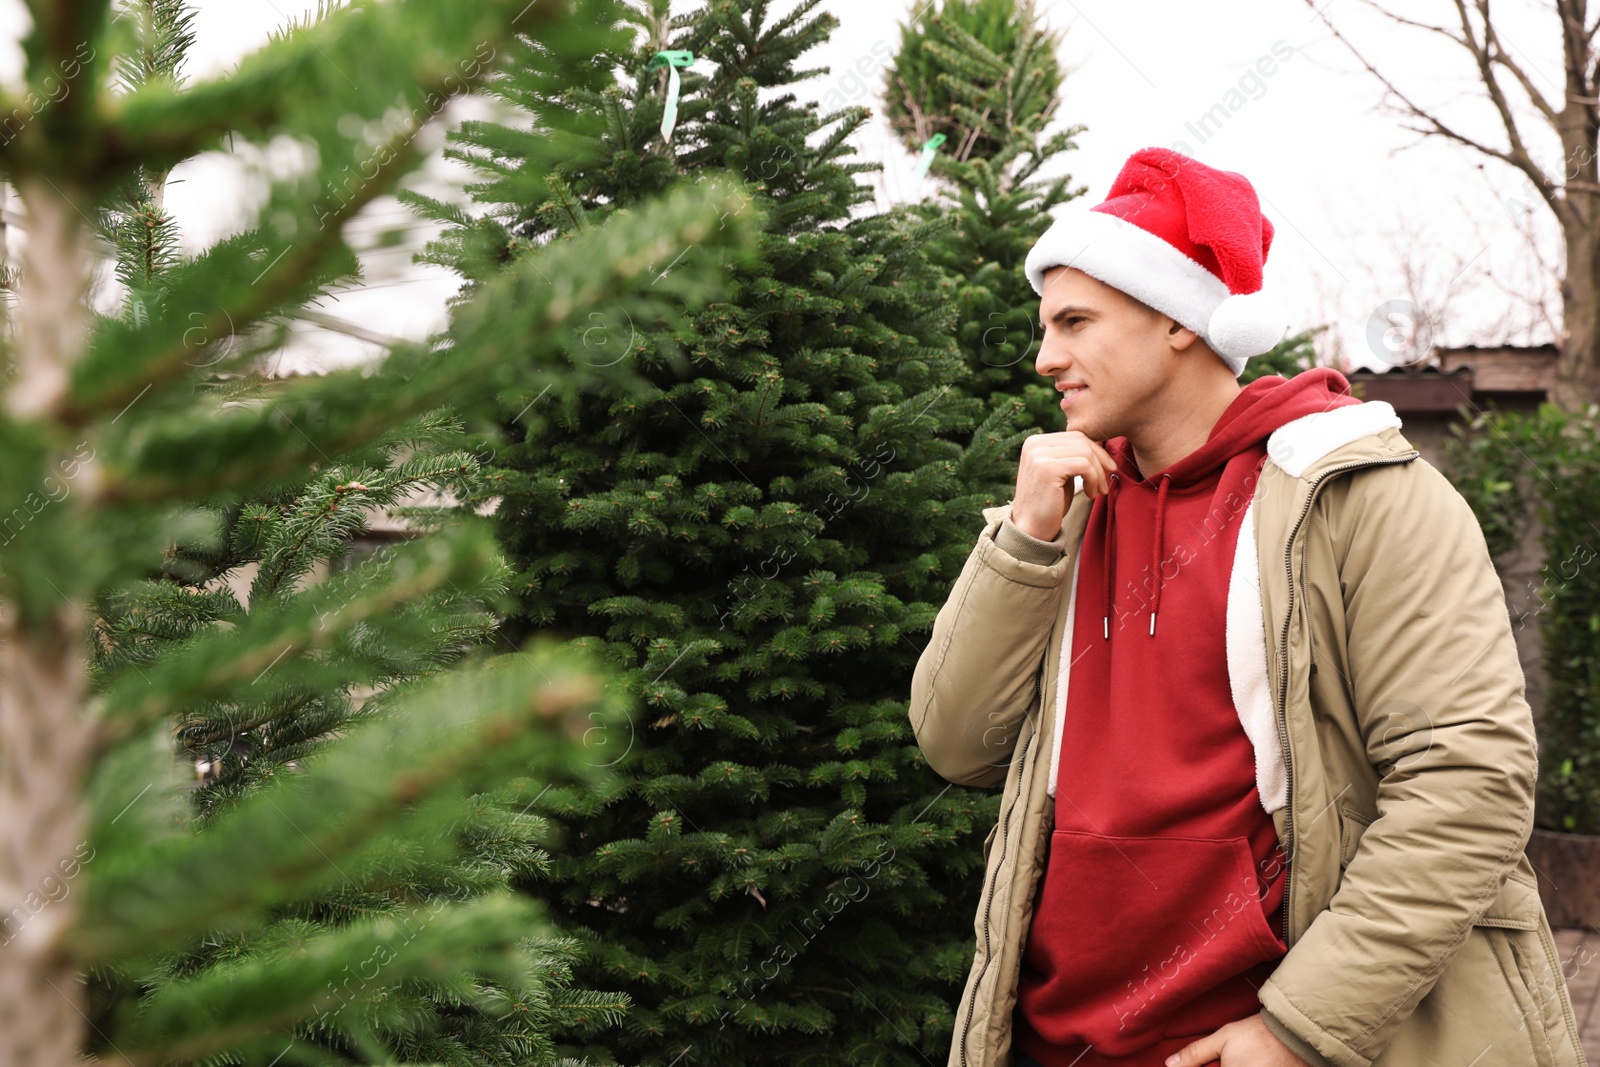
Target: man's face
1115,346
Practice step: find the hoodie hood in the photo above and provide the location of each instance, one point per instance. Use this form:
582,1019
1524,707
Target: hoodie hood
1260,408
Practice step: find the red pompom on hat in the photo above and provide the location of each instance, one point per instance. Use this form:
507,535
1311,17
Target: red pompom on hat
1187,239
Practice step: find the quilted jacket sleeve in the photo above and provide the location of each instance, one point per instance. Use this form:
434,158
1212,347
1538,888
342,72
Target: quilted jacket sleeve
974,681
1438,694
1293,1041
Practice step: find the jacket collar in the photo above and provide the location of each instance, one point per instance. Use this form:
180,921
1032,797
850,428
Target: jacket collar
1307,446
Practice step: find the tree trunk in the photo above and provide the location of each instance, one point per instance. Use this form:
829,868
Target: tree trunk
42,822
44,730
1578,370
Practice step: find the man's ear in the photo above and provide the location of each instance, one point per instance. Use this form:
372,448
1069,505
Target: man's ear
1180,336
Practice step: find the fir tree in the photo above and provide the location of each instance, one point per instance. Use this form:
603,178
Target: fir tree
950,77
754,531
997,205
1289,357
334,891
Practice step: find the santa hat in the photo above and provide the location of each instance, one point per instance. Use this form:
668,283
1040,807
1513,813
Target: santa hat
1187,239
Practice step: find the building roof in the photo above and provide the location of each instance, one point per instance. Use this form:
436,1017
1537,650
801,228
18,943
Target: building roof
1515,375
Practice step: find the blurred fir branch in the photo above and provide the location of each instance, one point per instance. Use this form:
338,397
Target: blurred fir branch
277,787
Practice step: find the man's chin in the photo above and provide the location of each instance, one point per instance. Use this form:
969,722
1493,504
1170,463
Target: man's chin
1087,425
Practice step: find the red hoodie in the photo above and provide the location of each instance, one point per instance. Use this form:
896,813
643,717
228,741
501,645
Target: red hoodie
1161,901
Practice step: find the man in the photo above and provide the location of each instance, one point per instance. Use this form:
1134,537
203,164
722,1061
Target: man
1243,667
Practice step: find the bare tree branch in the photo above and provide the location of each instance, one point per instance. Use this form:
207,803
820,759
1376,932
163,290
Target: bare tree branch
1516,156
1480,55
1538,295
1497,54
1573,195
1413,23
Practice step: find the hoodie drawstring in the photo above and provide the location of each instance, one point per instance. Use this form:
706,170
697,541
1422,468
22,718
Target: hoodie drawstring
1108,529
1155,548
1111,548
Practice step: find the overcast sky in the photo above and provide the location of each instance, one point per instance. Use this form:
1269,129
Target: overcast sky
1367,214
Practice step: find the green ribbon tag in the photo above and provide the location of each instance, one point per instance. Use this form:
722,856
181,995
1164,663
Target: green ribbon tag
673,59
928,150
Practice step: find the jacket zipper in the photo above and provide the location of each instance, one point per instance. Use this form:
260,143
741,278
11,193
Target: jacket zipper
1283,671
1005,826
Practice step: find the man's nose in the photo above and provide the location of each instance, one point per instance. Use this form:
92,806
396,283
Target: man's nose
1052,358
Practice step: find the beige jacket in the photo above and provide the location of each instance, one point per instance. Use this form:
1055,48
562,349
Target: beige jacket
1380,651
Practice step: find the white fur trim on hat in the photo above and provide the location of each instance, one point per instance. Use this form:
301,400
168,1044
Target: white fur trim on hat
1245,325
1131,259
1147,268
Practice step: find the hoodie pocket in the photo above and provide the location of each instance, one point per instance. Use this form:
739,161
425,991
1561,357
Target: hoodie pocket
1137,937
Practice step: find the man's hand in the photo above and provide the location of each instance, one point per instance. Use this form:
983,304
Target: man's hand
1246,1043
1044,479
